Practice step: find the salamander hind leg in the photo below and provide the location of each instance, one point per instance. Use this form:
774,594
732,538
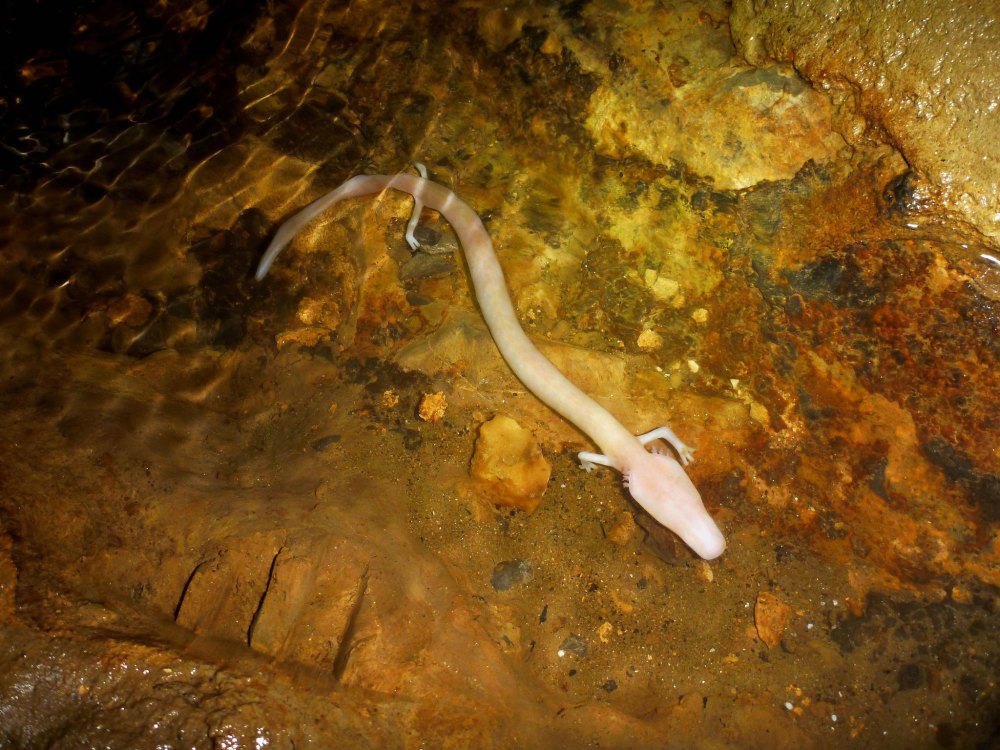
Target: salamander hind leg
418,206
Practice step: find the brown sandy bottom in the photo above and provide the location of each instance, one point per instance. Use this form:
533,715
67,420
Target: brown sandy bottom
289,560
240,515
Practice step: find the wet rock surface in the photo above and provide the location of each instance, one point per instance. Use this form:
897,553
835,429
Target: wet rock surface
922,76
239,514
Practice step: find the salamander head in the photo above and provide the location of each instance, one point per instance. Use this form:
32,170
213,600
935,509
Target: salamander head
659,484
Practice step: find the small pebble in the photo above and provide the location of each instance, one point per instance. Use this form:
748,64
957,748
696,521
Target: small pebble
509,573
649,340
573,644
703,571
324,442
432,407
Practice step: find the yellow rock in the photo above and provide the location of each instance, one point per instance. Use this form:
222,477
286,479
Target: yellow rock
604,631
432,407
390,399
703,571
309,336
624,530
649,340
509,465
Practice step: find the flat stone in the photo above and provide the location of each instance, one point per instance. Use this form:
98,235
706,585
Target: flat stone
573,644
510,573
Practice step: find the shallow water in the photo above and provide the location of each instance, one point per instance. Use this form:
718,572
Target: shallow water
227,524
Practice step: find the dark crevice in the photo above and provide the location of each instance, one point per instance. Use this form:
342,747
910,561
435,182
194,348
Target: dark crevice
263,596
186,587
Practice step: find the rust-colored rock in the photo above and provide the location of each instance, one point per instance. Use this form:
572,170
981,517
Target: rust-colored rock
132,310
235,461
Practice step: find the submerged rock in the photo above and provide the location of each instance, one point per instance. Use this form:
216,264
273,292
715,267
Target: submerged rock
771,616
509,465
509,573
573,644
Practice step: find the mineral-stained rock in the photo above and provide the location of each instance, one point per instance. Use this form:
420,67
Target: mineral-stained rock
738,127
509,464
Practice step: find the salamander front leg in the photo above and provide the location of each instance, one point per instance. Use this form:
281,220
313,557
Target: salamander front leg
590,461
685,452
